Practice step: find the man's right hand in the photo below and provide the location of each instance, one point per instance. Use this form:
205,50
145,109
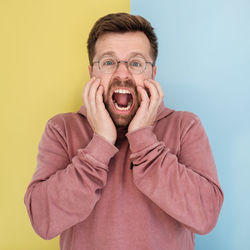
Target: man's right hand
97,115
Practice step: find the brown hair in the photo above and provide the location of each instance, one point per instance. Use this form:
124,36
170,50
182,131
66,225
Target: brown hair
121,23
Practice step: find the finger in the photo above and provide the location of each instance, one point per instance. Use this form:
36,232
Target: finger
92,94
144,97
159,90
154,95
99,97
86,91
158,87
87,86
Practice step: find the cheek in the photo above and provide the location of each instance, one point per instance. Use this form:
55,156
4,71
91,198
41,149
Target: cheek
105,84
139,80
105,80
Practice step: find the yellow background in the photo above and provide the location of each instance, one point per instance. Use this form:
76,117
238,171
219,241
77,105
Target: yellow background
43,64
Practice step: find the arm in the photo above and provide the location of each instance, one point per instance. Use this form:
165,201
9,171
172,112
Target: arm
184,186
64,191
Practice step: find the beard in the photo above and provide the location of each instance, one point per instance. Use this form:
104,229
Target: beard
120,119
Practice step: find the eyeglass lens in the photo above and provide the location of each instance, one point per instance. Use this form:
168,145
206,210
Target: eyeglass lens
135,65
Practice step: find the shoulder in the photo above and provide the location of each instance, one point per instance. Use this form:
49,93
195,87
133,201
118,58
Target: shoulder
179,122
186,117
66,121
65,117
183,118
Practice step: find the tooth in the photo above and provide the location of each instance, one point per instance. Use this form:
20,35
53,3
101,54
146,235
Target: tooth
123,108
122,91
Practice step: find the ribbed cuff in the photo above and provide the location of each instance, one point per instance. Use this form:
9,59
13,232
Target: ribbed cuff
100,149
141,138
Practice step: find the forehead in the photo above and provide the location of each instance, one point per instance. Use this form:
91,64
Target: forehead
123,45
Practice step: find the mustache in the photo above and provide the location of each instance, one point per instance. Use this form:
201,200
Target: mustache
117,82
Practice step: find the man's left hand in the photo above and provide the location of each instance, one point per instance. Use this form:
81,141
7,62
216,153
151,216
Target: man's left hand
146,114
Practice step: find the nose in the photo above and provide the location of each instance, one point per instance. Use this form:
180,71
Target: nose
122,70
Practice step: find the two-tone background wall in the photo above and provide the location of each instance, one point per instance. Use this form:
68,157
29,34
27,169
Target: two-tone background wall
203,67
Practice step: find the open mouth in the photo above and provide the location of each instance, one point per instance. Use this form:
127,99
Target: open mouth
122,99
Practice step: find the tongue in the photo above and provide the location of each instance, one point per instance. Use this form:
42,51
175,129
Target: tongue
122,99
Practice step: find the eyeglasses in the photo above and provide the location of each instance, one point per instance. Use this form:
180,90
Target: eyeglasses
135,65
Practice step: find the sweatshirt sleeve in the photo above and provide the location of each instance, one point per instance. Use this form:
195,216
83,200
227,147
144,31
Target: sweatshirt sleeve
185,186
64,191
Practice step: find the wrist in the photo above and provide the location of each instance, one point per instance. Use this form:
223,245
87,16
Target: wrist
109,139
99,149
141,138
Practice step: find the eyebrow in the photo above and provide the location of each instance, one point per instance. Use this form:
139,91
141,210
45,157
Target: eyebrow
112,53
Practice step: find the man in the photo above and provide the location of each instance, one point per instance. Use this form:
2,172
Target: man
124,172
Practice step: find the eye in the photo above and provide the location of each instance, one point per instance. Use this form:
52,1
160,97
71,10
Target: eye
136,63
107,62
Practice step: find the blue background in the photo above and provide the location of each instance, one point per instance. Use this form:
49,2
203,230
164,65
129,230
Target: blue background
204,67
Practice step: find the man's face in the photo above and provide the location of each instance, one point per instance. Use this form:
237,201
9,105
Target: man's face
120,94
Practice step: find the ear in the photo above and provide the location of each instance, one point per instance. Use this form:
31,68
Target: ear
154,72
90,71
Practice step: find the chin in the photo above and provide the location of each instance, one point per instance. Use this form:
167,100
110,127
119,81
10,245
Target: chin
121,121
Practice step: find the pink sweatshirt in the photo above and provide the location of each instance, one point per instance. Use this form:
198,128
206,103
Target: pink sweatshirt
151,191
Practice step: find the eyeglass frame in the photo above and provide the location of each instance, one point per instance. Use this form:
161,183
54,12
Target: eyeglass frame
123,61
